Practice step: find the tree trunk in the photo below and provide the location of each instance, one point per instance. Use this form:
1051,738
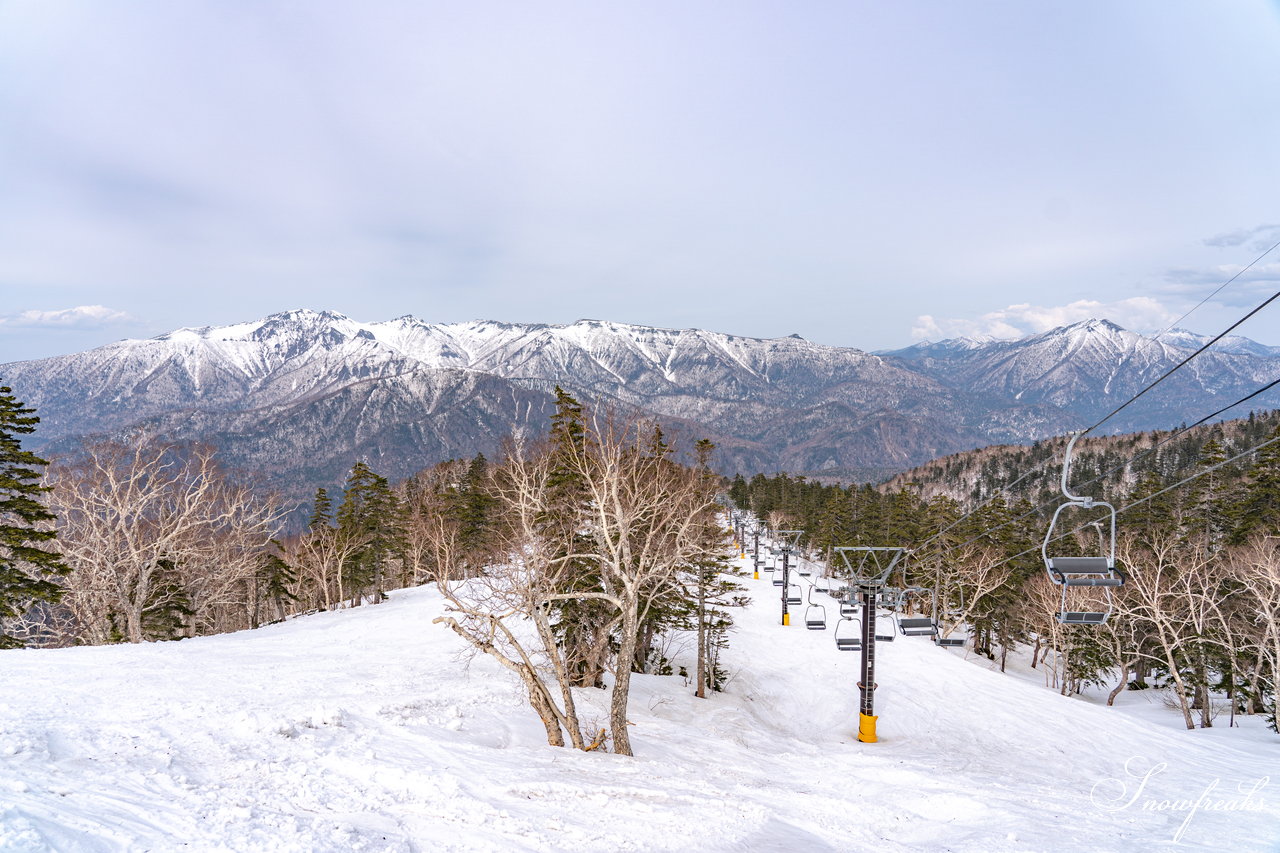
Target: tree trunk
622,682
1180,690
701,692
1119,688
538,699
133,623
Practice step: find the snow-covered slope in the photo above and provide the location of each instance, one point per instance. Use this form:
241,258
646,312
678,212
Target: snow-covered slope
372,729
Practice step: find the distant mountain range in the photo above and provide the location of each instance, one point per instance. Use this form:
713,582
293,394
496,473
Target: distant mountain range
299,396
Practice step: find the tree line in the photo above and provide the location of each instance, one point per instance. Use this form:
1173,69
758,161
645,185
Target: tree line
574,560
1199,613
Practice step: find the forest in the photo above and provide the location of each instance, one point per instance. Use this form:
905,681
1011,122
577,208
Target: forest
1198,519
578,558
575,560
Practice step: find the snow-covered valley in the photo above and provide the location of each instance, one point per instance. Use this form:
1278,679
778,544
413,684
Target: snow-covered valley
373,729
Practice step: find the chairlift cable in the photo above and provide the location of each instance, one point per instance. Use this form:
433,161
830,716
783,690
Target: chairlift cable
1272,298
1151,496
1220,288
1152,449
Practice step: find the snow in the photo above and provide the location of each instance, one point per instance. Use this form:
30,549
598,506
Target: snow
373,729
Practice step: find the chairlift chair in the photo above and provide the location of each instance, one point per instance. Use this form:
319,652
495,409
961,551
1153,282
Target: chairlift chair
917,626
953,615
1098,572
849,634
793,595
815,615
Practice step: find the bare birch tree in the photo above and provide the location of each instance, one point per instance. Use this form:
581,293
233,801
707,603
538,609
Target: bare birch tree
150,526
494,609
1257,568
644,520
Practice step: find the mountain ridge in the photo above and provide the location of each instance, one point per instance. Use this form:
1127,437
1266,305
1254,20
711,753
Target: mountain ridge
409,391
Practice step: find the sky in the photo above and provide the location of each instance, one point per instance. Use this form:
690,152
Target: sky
863,174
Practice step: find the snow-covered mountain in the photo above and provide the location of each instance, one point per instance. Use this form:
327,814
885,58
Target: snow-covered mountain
300,395
1089,368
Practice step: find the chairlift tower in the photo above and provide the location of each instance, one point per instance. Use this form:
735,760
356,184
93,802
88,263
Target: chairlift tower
868,570
787,540
754,528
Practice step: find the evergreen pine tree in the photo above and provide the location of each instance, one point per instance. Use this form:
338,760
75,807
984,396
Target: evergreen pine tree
369,514
474,505
1259,509
322,510
27,567
271,584
582,625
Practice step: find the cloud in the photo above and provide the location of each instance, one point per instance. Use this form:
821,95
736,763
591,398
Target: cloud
80,317
1259,238
1017,321
1196,278
1195,283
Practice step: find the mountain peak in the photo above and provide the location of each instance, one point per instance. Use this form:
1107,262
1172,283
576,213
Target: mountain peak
1093,324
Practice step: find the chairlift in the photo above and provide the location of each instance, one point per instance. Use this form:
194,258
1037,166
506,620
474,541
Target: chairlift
917,626
815,615
849,635
953,616
1098,572
793,595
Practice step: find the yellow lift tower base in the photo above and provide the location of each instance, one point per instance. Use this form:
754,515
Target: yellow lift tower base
786,618
867,728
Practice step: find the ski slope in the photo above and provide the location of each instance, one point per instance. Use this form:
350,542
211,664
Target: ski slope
372,729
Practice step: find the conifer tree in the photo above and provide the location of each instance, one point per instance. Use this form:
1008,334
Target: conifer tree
739,493
369,515
583,625
322,510
712,592
1206,500
28,567
1259,509
271,584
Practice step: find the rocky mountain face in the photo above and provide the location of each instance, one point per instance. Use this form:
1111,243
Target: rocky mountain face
1088,369
301,395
